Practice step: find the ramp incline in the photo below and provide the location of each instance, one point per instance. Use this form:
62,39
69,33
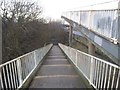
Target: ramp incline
57,72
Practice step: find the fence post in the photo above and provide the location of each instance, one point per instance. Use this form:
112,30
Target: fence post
19,69
91,70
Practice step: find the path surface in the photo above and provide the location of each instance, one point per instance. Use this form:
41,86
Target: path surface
56,72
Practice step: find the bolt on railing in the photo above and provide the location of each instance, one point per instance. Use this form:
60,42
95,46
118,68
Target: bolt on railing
14,73
100,73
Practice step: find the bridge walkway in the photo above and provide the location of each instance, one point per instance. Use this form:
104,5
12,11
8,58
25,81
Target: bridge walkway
57,72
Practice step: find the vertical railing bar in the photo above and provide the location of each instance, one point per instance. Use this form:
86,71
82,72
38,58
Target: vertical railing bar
92,70
22,68
70,54
73,56
27,64
102,32
81,63
118,79
16,74
32,59
30,63
84,68
5,78
35,58
38,55
103,72
100,74
111,28
76,58
69,51
25,69
1,79
109,77
8,76
41,54
102,14
113,77
110,24
95,72
88,66
13,76
19,71
106,75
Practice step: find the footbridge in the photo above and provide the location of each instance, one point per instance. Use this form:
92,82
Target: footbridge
100,24
59,66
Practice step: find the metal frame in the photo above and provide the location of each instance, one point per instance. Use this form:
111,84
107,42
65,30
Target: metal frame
89,21
14,73
97,71
102,43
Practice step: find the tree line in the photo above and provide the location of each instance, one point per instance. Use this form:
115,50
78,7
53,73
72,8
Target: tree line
24,30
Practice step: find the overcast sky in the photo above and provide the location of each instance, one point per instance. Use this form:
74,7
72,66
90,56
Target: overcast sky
54,8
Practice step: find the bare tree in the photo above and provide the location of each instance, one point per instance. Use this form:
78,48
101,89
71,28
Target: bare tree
24,30
21,10
15,16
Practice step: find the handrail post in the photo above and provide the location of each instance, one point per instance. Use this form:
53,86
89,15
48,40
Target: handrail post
91,70
19,71
35,58
76,57
89,20
70,35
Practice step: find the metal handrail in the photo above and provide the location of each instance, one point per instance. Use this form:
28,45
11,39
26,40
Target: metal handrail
99,73
14,73
102,22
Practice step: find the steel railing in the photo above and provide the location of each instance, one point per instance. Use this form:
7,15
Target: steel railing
104,22
14,73
100,73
